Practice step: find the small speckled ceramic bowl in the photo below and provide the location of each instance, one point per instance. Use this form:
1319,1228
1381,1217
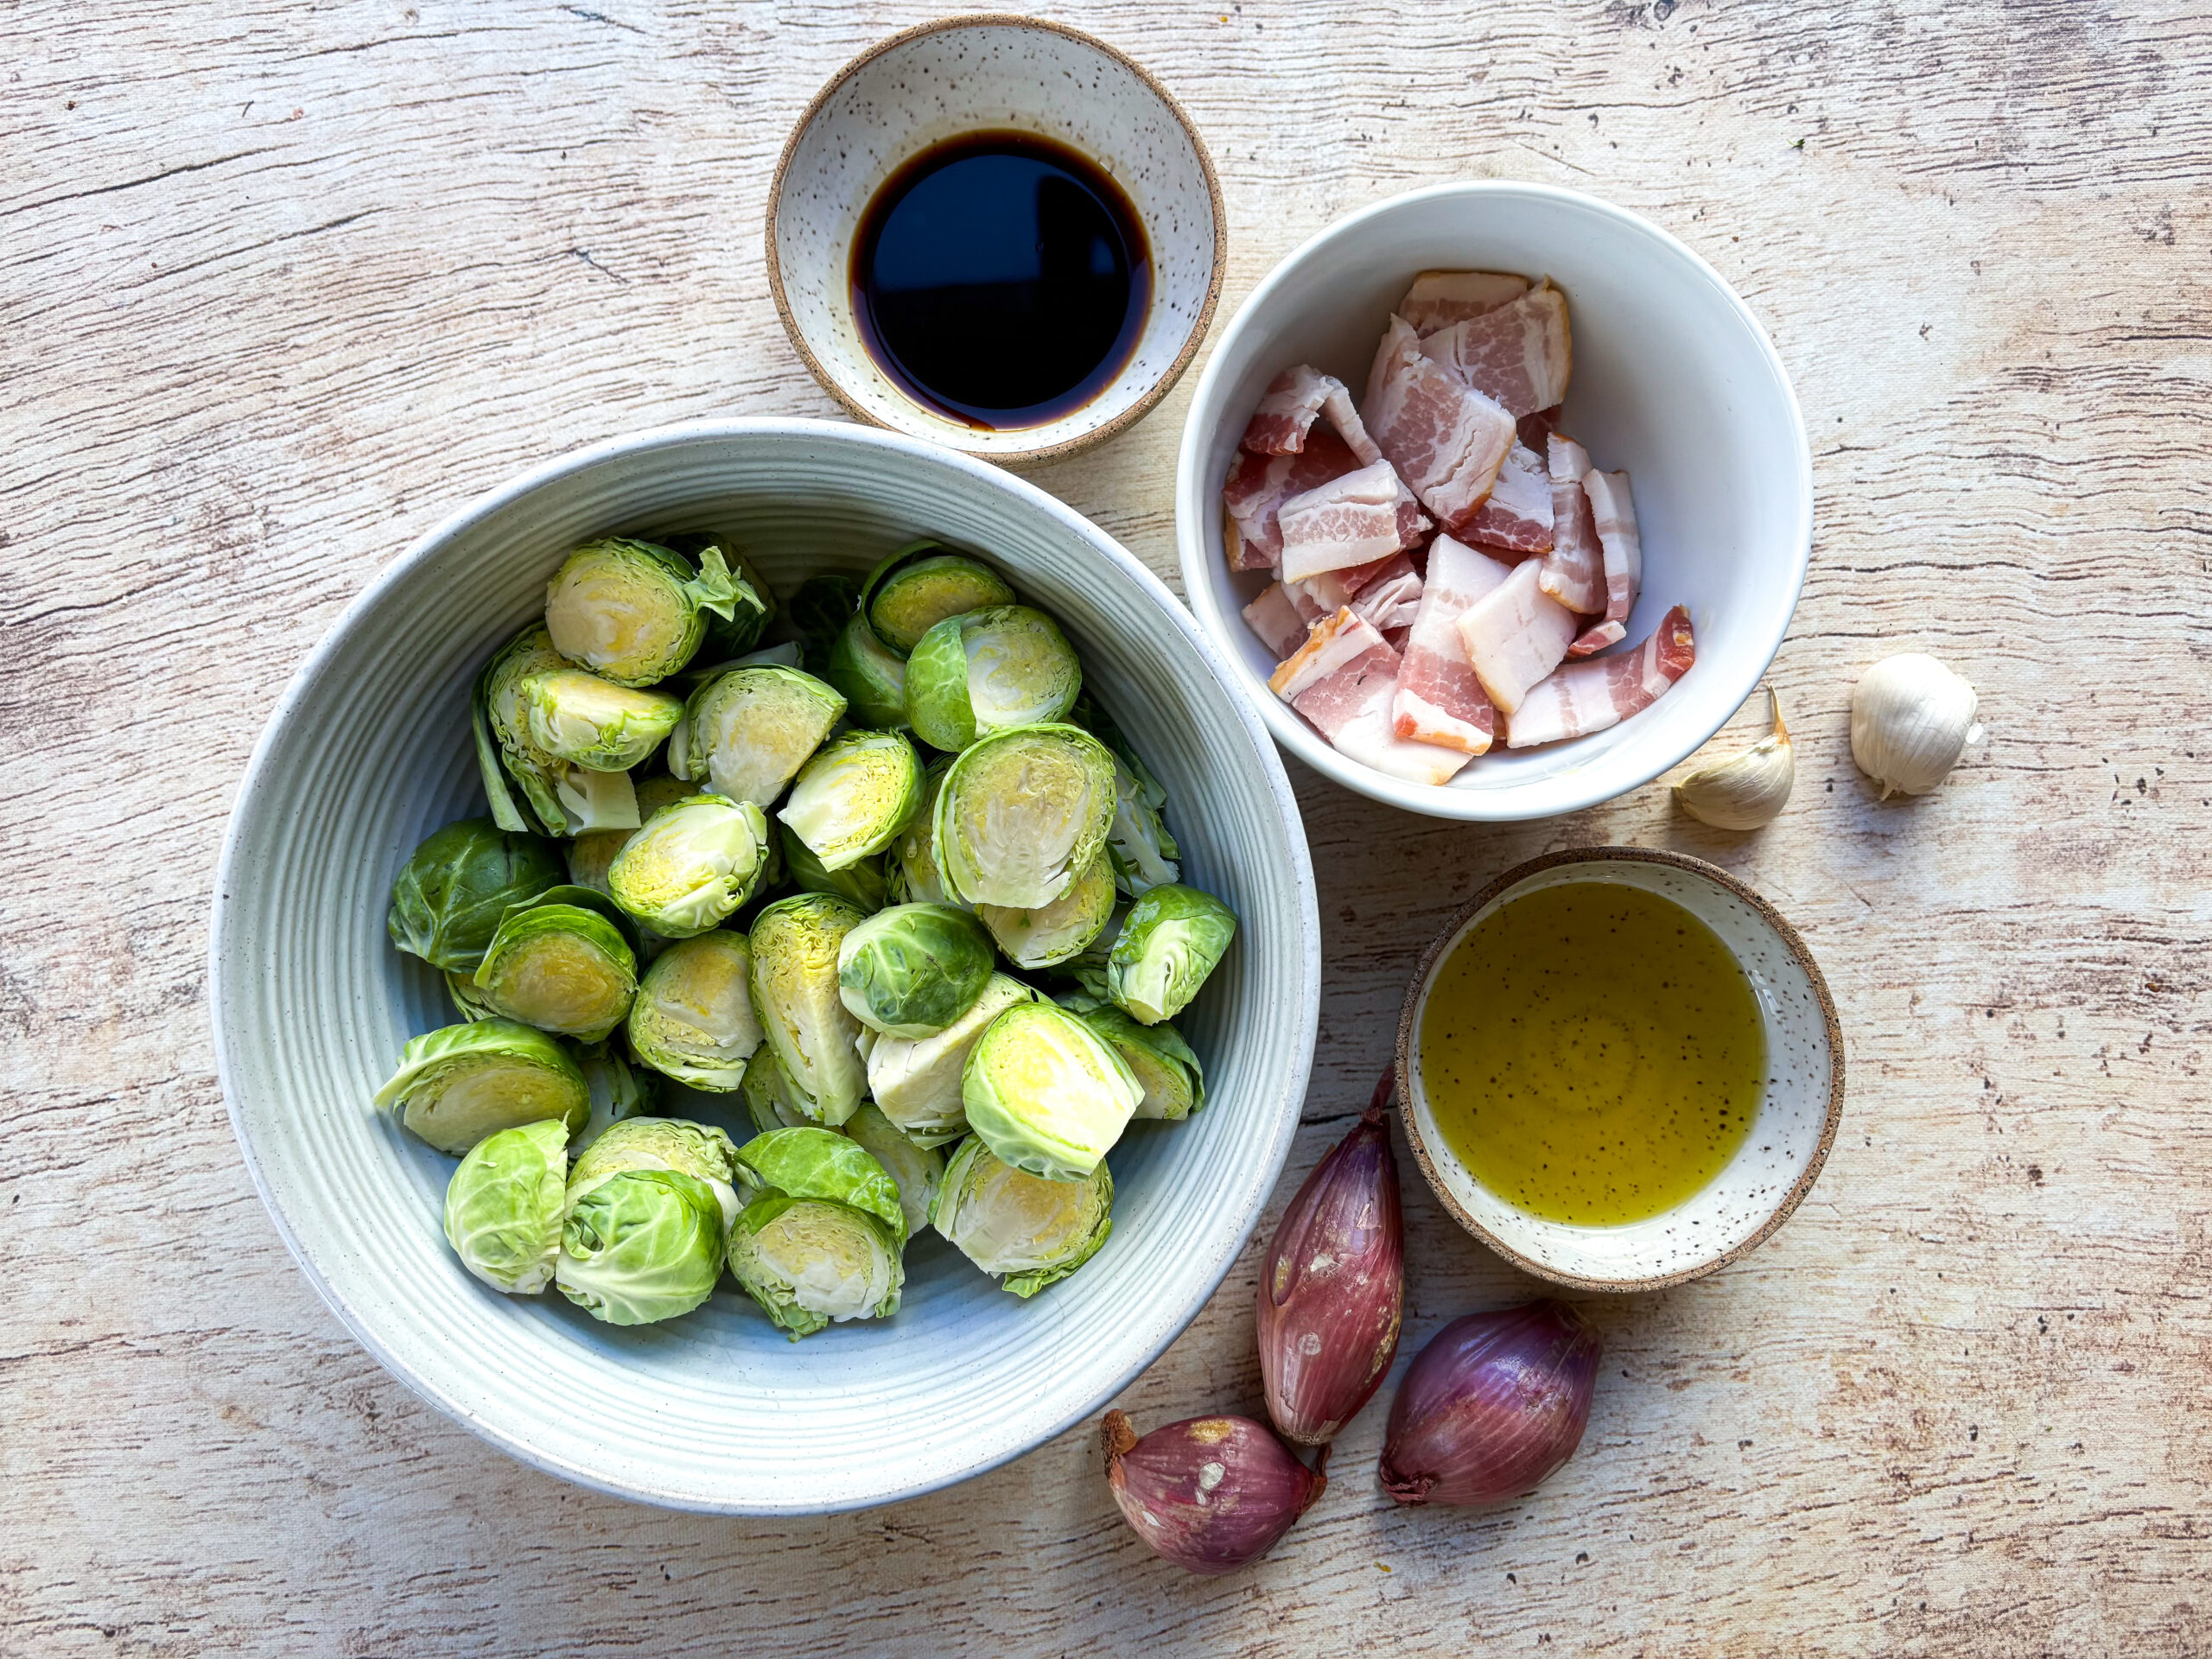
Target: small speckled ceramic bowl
995,73
1779,1159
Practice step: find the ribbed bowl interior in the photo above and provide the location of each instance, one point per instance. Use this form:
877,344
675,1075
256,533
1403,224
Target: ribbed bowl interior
368,753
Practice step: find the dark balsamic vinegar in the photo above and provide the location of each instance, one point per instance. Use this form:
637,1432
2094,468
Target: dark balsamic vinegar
1001,279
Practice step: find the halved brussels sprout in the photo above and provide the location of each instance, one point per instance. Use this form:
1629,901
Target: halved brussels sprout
634,612
1021,814
910,874
691,866
973,675
912,970
854,796
1144,853
1172,939
871,675
620,1090
504,1206
462,1083
641,1247
693,1018
1025,1231
756,601
916,1080
591,855
920,585
861,882
772,1099
820,1241
1047,1093
795,944
749,731
917,1170
560,967
699,1150
1162,1063
1062,930
452,891
588,721
556,796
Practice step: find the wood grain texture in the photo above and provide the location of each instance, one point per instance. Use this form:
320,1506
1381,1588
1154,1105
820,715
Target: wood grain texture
282,286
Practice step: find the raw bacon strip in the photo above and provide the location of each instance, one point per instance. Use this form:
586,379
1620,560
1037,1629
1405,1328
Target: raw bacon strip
1279,425
1369,738
1517,355
1514,635
1354,519
1445,439
1343,679
1274,617
1438,699
1587,698
1596,640
1258,486
1392,599
1574,570
1518,514
1614,511
1439,298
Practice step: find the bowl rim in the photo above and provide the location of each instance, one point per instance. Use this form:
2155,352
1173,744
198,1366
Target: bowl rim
223,955
1766,912
1163,384
1563,793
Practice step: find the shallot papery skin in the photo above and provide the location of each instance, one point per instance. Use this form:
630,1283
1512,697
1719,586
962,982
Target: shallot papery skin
1211,1493
1332,1285
1491,1406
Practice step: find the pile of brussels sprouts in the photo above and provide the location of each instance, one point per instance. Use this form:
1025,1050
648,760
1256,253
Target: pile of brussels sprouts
896,883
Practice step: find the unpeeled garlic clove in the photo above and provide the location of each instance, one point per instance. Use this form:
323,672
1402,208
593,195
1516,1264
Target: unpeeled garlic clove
1911,718
1745,791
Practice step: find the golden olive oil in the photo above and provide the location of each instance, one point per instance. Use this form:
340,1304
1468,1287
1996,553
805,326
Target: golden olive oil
1592,1053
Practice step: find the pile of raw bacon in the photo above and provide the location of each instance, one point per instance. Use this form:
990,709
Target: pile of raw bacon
1408,649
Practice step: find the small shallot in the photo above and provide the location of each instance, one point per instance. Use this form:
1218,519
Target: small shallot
1493,1405
1212,1493
1332,1285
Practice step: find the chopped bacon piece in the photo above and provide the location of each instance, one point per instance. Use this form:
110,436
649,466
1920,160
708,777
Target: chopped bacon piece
1514,635
1438,699
1594,640
1343,679
1574,570
1279,425
1613,510
1517,355
1445,439
1517,513
1439,298
1354,519
1333,589
1585,697
1393,598
1274,617
1257,486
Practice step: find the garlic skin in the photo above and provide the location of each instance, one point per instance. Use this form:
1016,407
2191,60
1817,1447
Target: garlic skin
1911,718
1746,790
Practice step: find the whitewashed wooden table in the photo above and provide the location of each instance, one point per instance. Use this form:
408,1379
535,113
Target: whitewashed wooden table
280,286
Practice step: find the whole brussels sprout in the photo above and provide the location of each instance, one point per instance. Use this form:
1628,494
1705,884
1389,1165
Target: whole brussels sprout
909,869
772,1099
620,1090
984,672
504,1206
1021,814
699,1150
1024,1230
795,945
854,796
641,1247
1062,930
1047,1093
634,612
871,676
692,865
693,1018
1157,1056
822,1241
862,882
560,967
820,606
1171,938
588,721
452,891
917,1170
461,1083
754,606
916,1080
919,586
912,970
748,731
556,796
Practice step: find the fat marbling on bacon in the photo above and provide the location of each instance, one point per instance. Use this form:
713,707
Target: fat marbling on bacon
1344,679
1258,486
1574,569
1287,412
1514,635
1438,699
1446,440
1518,356
1516,515
1355,519
1588,696
1439,298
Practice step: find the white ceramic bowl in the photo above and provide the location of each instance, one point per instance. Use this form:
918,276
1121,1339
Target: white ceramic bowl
1674,379
369,752
1780,1158
996,72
